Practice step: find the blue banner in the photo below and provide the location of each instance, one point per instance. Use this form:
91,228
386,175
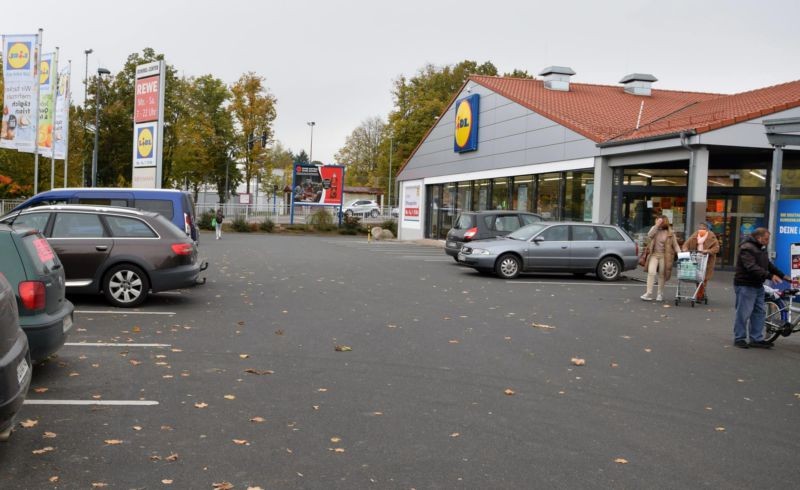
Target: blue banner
787,233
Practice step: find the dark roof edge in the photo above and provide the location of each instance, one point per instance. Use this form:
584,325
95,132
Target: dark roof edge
610,144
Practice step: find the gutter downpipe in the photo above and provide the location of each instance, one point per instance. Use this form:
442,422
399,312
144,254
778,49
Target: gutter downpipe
690,208
774,196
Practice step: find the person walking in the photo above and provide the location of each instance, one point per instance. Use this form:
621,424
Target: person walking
661,248
219,217
705,241
753,267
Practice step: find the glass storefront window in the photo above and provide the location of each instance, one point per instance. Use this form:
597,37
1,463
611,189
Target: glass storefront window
549,187
578,195
447,210
464,197
658,177
756,177
500,193
480,195
522,193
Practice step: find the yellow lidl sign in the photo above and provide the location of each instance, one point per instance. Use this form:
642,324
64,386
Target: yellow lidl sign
18,56
466,132
144,142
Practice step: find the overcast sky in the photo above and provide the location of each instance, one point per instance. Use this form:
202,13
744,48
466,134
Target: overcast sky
333,62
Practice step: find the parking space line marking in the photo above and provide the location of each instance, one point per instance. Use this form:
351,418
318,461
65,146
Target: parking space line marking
626,284
132,403
124,312
111,344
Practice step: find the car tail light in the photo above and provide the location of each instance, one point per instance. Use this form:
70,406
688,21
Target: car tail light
470,234
32,294
182,248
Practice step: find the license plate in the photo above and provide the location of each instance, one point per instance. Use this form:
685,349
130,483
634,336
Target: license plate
460,257
451,244
22,370
67,323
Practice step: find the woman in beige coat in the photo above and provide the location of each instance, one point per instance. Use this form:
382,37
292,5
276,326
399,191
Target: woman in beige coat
663,247
704,240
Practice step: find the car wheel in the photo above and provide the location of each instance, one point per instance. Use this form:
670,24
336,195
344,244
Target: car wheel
126,286
609,269
507,266
374,213
348,213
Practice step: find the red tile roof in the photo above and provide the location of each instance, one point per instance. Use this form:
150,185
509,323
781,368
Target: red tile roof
606,113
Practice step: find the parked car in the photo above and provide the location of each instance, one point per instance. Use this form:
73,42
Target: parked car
362,207
121,252
480,225
175,205
578,248
36,275
15,360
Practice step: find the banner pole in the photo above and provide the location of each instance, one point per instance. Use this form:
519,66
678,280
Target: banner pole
54,92
67,97
37,60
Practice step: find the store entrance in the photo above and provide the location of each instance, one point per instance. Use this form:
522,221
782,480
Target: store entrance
733,217
639,210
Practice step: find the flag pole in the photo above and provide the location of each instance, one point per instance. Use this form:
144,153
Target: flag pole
67,97
37,60
54,92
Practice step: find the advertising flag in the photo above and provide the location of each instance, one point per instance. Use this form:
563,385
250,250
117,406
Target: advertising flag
62,114
19,98
48,70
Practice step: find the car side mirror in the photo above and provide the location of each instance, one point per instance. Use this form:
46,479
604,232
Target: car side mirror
538,239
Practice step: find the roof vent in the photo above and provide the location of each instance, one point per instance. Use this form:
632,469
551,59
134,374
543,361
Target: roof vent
638,83
557,77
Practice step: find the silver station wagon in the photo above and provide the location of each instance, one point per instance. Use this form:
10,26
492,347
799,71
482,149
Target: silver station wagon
578,248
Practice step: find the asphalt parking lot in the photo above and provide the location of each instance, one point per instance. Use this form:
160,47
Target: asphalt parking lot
443,378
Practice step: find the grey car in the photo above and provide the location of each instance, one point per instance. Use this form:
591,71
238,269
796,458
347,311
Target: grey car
577,248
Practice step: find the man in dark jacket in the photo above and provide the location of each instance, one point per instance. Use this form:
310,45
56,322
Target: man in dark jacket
752,269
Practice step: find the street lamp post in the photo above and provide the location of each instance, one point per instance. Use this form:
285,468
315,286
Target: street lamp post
391,150
85,96
311,149
100,73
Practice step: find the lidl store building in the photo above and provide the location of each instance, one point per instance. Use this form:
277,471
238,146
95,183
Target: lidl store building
600,153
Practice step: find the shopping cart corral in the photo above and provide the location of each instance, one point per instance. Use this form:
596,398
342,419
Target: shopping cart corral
691,277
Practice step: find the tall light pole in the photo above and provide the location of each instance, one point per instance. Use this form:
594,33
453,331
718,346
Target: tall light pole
85,96
100,73
311,149
391,150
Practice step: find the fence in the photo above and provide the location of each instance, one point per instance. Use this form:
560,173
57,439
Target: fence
7,205
281,213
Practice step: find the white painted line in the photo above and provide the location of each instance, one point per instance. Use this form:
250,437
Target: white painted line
123,403
124,312
111,344
598,283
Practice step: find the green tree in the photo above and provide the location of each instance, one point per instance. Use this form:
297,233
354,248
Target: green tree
301,157
253,107
362,151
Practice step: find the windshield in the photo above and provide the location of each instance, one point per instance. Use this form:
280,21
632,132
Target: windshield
527,232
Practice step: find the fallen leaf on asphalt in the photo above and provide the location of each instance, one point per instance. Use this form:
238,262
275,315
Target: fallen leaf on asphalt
137,428
258,372
542,326
614,365
342,348
337,450
53,479
134,362
176,350
230,397
797,395
322,390
172,457
336,440
648,349
510,392
315,407
155,458
455,434
719,429
201,405
254,488
43,450
278,332
222,486
160,356
97,397
49,435
377,414
578,361
167,376
258,420
166,482
166,428
454,341
113,442
73,374
29,423
99,484
241,442
244,356
621,461
136,329
41,390
240,323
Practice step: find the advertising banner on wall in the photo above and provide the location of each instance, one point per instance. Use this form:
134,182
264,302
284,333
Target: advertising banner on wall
61,133
19,98
412,195
317,185
465,137
48,69
148,127
787,234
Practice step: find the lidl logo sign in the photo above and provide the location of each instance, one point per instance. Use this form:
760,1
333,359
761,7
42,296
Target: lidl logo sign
18,56
44,72
144,142
466,132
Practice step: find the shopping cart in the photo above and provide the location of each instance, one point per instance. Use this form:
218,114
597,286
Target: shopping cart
691,276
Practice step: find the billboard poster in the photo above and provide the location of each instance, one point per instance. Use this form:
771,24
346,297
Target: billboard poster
411,202
787,233
465,137
62,114
18,128
148,124
48,69
318,185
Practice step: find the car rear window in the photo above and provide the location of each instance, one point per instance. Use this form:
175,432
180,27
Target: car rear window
94,201
163,207
40,252
77,225
583,234
122,227
609,234
464,222
530,218
506,223
37,221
